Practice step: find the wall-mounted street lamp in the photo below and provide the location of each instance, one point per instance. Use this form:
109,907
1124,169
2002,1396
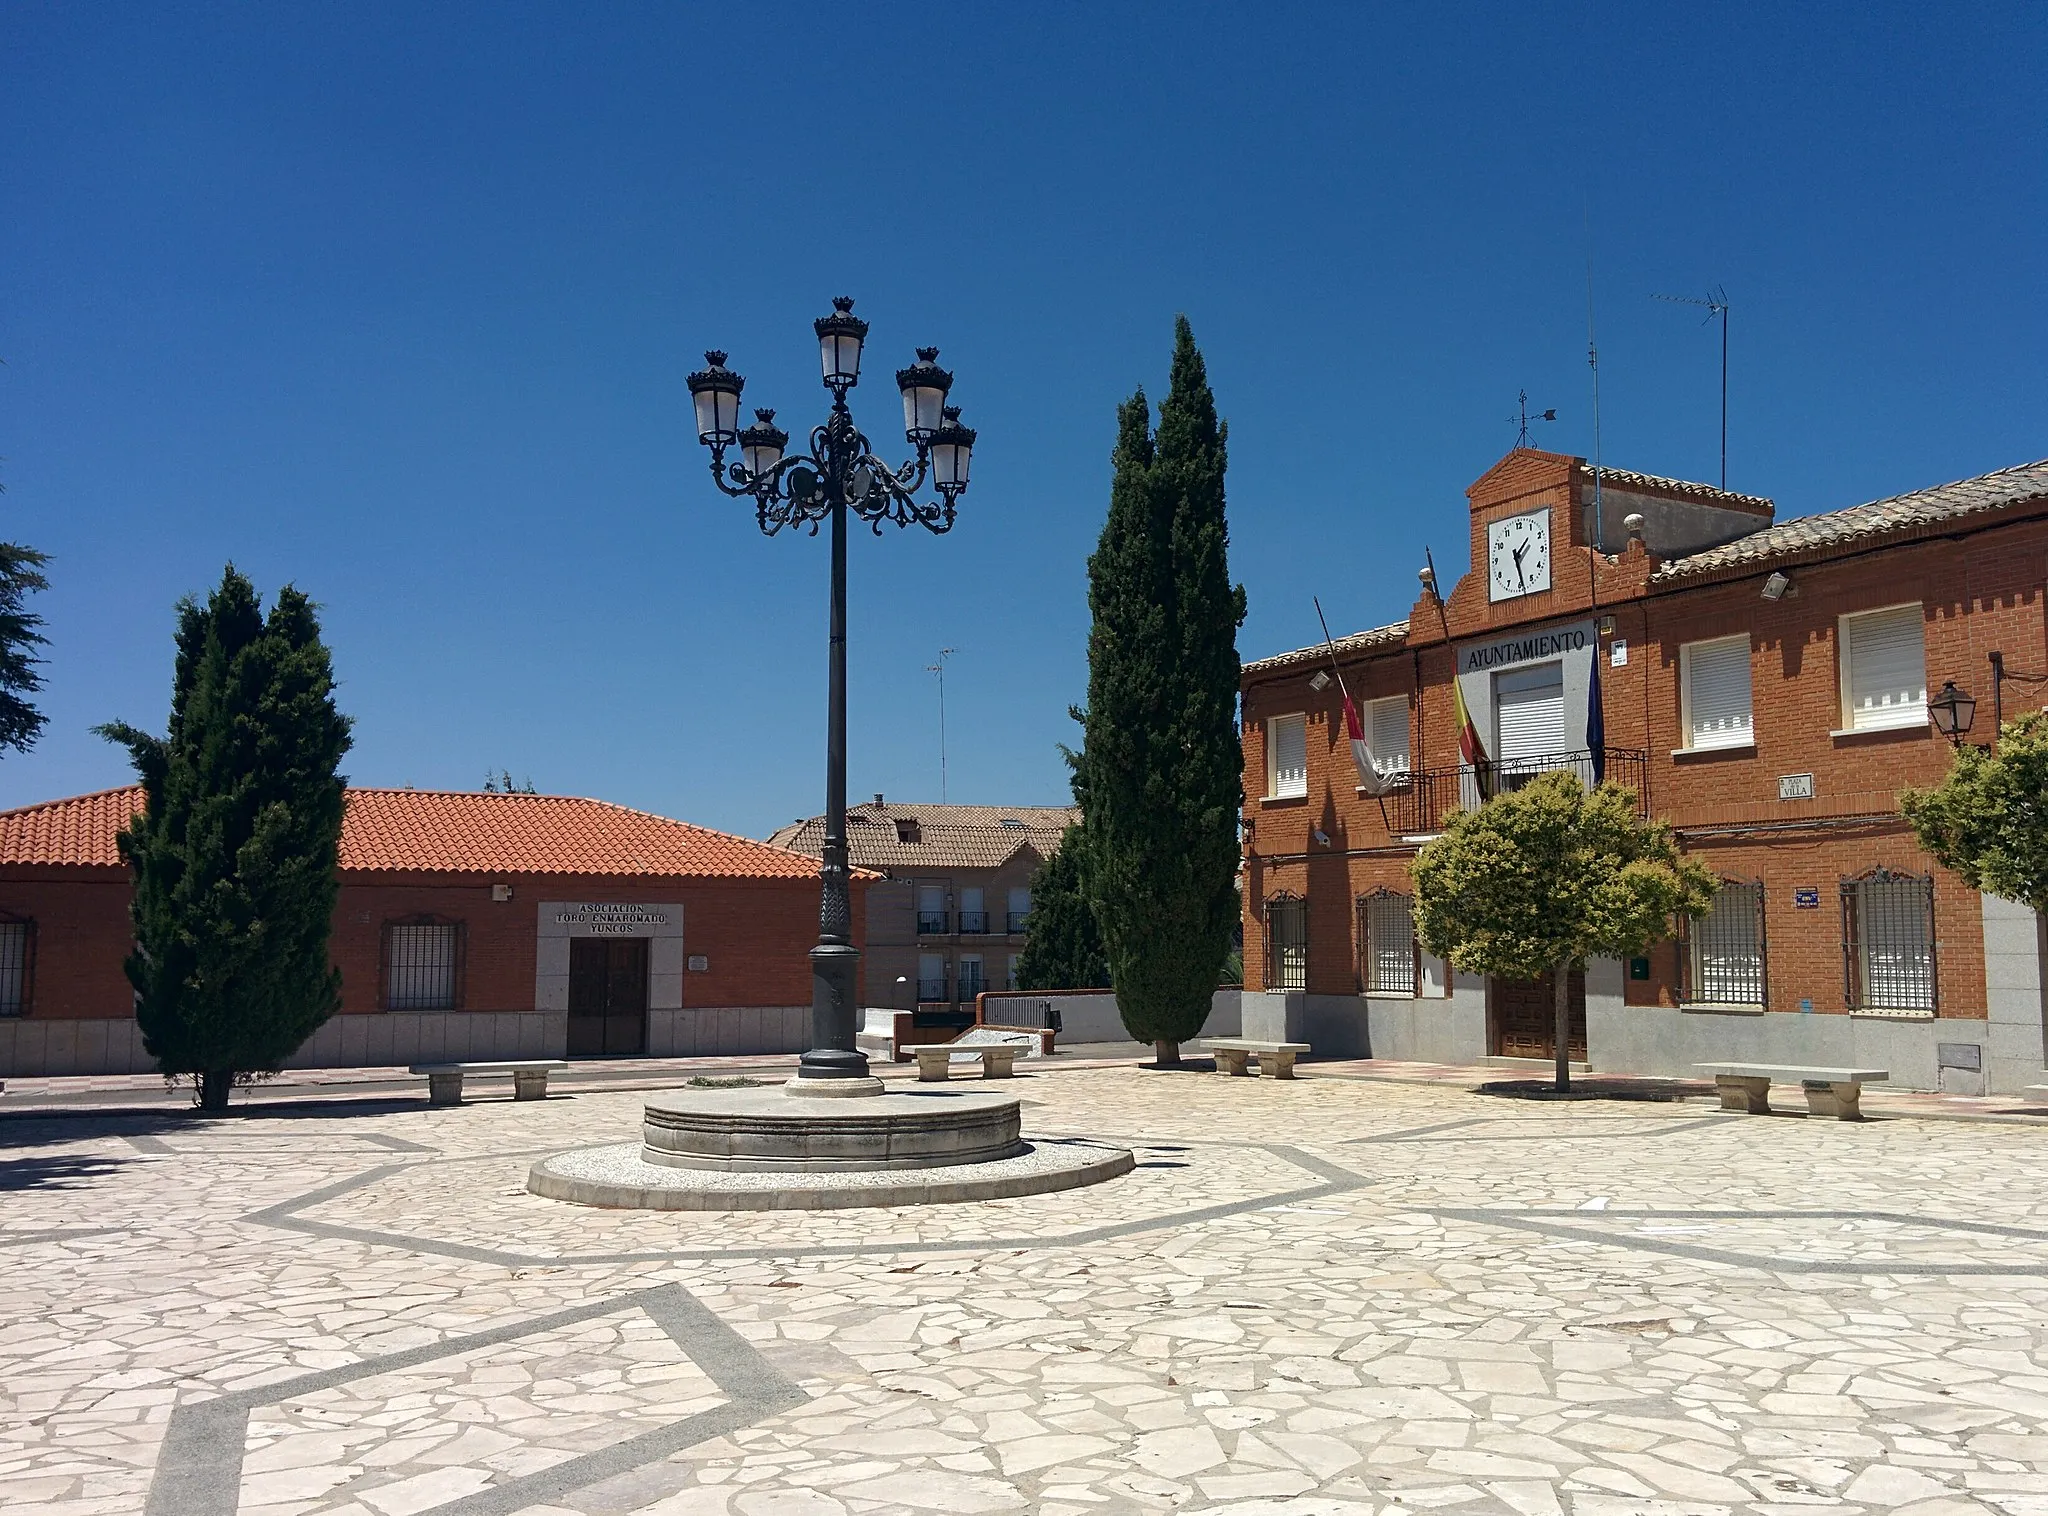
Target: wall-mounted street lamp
1953,712
836,473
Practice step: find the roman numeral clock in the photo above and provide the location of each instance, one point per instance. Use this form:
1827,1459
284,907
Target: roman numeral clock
1518,555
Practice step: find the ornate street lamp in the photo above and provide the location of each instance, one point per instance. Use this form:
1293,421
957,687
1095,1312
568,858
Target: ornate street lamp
1954,712
837,473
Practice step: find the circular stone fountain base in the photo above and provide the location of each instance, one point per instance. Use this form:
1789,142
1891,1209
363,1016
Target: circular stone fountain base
764,1149
619,1177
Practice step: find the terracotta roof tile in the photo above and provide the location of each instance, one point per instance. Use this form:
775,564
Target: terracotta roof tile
443,832
1393,634
948,836
1816,536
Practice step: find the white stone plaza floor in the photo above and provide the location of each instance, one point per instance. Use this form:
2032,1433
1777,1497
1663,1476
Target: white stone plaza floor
1309,1298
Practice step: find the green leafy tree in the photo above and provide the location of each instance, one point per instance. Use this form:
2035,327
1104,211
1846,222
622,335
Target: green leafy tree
21,575
1988,820
501,783
1159,773
1064,951
234,853
1548,875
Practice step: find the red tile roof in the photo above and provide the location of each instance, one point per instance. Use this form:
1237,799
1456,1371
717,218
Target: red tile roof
442,832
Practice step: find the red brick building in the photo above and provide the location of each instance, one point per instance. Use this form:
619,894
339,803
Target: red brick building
468,926
1765,688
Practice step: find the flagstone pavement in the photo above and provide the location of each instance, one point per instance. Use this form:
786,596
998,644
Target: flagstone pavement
1310,1298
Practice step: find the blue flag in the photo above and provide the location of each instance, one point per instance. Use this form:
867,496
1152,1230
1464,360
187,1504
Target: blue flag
1596,722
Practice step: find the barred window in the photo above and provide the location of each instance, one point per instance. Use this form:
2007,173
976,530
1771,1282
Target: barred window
1888,942
1286,943
14,946
1724,949
1386,943
423,963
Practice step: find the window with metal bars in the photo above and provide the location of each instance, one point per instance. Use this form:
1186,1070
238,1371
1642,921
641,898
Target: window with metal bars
16,940
1888,942
1386,943
1286,943
422,966
1723,957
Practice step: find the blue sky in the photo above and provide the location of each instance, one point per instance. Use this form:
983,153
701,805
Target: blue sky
396,302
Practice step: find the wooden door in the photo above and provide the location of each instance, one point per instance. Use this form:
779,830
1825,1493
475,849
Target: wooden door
607,997
1525,1017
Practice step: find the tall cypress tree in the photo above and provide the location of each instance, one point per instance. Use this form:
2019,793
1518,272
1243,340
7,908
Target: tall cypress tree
21,575
1064,951
1161,764
235,851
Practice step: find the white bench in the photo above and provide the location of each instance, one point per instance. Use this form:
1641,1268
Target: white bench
935,1060
1274,1058
1829,1092
529,1078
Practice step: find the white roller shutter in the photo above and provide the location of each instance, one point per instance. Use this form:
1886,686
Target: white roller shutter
1389,734
1287,756
1529,712
1717,693
1885,681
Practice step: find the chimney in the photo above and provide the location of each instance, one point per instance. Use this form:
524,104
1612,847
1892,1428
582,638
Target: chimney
878,800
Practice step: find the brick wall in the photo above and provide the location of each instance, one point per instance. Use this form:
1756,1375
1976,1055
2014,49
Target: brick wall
81,936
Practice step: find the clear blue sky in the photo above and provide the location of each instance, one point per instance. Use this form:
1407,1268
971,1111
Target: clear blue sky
395,302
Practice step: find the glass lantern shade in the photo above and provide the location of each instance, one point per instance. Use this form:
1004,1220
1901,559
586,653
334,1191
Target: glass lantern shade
924,385
762,444
715,390
952,452
840,336
1954,711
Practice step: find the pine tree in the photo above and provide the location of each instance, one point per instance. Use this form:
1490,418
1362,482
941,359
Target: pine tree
1064,951
1161,763
235,851
21,575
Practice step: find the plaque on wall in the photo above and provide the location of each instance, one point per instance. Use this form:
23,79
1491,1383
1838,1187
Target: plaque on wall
1795,786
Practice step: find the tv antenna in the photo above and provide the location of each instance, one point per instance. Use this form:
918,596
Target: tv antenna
1524,418
1716,304
939,668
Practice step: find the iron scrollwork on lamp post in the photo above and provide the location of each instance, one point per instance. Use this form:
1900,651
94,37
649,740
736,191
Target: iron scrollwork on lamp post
838,474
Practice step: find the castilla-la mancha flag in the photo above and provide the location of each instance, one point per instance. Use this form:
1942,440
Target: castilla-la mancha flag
1370,777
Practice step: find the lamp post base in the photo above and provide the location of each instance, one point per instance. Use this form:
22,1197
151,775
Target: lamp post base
854,1088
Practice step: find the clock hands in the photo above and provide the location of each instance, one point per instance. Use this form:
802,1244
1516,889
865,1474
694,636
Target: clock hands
1518,563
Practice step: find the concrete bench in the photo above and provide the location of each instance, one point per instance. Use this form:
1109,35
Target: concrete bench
1274,1058
1829,1092
935,1063
444,1080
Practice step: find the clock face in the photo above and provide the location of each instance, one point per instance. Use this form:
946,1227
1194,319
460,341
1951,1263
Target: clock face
1518,556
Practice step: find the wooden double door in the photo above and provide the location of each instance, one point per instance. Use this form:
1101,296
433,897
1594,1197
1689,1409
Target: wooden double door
607,997
1524,1017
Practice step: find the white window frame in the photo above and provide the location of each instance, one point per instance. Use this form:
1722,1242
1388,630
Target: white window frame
1686,654
1273,725
1369,718
1904,717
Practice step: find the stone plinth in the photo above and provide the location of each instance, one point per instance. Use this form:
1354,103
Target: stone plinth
767,1130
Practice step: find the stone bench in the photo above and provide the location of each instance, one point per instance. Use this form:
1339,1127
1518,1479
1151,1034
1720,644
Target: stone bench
1829,1092
1274,1058
529,1078
935,1062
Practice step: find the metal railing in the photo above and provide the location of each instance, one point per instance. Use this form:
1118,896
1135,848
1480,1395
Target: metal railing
931,991
1432,794
1017,920
931,923
975,922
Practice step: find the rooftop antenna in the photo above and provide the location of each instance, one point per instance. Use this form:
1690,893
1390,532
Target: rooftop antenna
1716,304
939,668
1524,418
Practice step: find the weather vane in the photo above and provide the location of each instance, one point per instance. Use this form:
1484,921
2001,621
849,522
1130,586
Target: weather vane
1523,418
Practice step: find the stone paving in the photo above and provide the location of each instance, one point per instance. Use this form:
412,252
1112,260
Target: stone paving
1310,1298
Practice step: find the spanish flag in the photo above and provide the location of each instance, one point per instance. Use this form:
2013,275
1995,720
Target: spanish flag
1470,749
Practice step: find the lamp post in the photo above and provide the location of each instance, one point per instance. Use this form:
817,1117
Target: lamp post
837,474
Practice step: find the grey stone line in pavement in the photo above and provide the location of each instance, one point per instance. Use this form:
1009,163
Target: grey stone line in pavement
1589,1232
199,1470
283,1216
55,1234
1428,1133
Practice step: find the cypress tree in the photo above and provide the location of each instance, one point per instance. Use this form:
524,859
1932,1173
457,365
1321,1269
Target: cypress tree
1161,765
1065,949
235,851
21,575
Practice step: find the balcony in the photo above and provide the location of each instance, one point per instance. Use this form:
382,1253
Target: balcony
932,992
1420,805
973,923
970,986
1017,920
932,924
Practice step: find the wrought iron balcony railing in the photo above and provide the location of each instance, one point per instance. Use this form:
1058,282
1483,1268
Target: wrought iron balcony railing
1017,920
1419,807
930,991
974,922
931,923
